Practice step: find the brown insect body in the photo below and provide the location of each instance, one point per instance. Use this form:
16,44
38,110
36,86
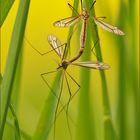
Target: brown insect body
64,64
84,16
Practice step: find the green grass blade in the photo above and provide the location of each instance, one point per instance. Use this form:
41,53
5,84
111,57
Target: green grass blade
17,129
14,51
109,131
85,127
5,6
46,119
0,79
134,82
15,96
75,5
24,135
128,85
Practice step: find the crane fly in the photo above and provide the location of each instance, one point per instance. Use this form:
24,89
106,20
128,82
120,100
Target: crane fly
57,47
84,16
55,44
63,65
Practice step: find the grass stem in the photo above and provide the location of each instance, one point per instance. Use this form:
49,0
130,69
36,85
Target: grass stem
12,60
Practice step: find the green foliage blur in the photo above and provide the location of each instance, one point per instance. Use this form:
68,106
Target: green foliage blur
107,104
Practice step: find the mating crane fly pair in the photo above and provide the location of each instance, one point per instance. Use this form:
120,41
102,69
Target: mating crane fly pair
57,47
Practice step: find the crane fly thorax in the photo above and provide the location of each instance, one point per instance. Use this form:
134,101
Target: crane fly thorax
85,14
64,64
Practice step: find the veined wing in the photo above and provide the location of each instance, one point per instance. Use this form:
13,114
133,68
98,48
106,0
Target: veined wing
67,21
55,44
108,27
93,65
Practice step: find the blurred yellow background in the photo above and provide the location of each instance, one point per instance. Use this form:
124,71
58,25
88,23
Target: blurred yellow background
33,91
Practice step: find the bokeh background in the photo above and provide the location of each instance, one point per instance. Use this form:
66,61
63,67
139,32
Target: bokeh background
121,53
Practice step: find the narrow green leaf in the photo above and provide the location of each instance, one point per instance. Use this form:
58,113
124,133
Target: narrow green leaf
17,137
47,116
134,81
15,94
46,120
10,123
85,128
122,97
75,5
108,126
5,6
13,55
128,83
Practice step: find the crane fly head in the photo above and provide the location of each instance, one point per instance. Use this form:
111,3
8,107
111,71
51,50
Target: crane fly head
85,14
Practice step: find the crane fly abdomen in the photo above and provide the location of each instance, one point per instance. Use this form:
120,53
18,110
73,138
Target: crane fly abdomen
83,34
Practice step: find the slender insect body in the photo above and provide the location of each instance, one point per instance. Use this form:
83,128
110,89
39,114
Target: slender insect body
65,63
77,56
84,16
83,34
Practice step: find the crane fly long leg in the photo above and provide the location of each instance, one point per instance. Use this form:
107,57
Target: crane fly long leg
42,76
53,92
103,17
70,98
92,49
70,94
61,88
73,79
34,47
44,52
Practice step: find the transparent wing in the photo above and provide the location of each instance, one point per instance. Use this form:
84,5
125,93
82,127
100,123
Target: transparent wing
92,65
108,27
67,21
56,45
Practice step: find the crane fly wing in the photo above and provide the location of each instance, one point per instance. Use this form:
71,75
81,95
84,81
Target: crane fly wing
56,45
67,21
92,65
108,27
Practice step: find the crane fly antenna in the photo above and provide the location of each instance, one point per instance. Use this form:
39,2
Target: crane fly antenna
81,5
92,5
74,10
